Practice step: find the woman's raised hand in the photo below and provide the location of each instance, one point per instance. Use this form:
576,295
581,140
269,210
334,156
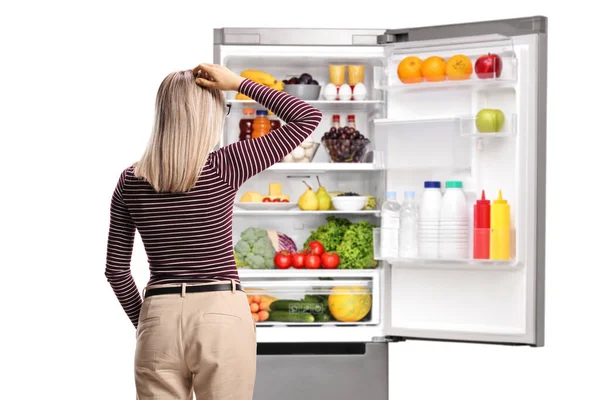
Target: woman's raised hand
217,76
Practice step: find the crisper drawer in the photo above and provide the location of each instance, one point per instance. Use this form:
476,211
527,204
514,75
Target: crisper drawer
313,301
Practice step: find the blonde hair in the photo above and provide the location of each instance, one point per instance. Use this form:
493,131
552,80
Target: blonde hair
187,127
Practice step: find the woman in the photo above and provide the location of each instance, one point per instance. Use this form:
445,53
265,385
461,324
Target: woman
195,332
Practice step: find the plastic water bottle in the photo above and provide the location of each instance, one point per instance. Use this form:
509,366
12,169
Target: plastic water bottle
429,220
409,228
390,227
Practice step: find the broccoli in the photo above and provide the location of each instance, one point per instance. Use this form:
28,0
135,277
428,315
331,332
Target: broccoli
255,249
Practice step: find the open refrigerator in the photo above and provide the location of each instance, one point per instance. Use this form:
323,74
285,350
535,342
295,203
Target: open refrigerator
418,132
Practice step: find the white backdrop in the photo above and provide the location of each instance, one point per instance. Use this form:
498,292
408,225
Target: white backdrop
78,86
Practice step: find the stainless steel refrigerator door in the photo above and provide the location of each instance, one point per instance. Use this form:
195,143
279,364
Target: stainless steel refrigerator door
325,371
461,300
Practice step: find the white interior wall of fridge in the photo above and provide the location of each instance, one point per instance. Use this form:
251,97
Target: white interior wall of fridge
429,135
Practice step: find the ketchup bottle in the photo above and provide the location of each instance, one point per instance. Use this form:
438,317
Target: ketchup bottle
481,228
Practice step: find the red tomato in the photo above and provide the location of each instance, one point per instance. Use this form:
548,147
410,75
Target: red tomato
283,259
316,248
312,261
330,260
276,200
285,201
266,200
298,260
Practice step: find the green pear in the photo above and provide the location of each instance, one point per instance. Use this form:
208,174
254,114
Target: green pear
489,120
323,197
308,201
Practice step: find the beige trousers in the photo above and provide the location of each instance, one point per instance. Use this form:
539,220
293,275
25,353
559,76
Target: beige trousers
202,343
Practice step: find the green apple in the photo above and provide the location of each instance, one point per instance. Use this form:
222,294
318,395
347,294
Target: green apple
489,120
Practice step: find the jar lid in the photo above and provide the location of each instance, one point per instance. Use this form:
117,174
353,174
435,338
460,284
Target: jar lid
261,112
248,111
433,184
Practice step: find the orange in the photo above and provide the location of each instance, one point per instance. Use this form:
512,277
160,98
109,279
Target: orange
409,70
459,67
434,69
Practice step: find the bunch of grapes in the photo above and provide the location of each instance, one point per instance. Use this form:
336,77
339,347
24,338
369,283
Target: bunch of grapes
345,144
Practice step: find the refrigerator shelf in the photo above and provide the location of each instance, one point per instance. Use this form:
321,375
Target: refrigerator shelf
348,104
325,167
329,324
247,273
298,212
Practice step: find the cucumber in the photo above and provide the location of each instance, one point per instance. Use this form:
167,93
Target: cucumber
325,317
313,298
284,316
296,306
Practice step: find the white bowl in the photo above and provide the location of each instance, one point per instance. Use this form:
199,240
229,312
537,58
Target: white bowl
349,203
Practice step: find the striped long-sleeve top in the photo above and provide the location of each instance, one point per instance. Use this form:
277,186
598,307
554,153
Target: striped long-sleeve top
188,236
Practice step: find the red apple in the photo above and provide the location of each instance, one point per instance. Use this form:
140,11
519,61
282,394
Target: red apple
487,65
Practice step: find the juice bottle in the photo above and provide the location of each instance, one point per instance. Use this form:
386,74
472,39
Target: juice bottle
261,125
500,229
246,123
275,123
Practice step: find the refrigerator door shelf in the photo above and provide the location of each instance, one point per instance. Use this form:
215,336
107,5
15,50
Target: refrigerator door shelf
467,50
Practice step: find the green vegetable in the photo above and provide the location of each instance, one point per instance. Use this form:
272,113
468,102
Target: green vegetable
325,317
284,316
356,248
297,306
314,298
330,235
352,242
255,249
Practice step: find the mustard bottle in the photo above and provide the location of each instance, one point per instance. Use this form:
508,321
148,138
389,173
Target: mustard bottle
500,229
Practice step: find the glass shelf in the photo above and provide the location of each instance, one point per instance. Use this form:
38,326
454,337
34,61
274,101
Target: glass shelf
298,212
349,104
248,273
325,167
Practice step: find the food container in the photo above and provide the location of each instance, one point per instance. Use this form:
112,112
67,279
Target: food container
312,301
337,74
303,92
349,203
356,74
346,150
303,153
